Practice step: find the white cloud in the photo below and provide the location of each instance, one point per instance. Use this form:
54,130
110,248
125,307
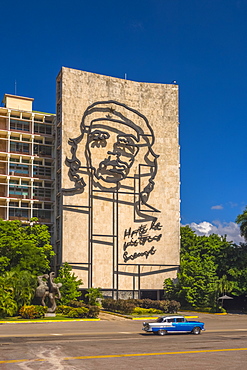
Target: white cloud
230,229
219,206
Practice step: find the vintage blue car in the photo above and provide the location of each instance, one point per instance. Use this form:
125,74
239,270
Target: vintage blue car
173,324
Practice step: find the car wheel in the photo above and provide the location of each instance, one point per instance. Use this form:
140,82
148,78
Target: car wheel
196,330
162,332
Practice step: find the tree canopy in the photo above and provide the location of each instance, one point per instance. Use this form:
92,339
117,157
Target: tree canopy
25,247
210,265
242,221
25,253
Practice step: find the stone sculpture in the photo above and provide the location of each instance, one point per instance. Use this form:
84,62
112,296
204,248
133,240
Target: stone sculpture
48,288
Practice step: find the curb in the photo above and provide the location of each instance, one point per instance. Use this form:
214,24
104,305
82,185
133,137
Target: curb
210,313
44,321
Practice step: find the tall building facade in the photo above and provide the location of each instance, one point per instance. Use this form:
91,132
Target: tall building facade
117,182
103,174
26,161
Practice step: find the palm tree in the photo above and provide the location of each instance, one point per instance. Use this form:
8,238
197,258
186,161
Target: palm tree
242,221
224,286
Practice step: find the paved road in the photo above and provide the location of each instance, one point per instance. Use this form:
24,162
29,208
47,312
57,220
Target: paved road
120,344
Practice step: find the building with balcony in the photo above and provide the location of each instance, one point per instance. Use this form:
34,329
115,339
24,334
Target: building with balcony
26,161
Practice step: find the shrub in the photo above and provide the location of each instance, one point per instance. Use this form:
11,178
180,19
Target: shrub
94,296
119,305
76,304
32,312
63,310
93,311
127,306
147,303
69,289
8,306
146,311
164,306
78,312
173,307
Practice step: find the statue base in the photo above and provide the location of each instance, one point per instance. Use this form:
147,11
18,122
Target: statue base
50,314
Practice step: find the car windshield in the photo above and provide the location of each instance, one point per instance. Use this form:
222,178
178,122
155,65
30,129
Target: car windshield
160,319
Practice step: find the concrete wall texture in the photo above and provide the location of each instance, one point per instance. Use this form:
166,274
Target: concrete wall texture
119,174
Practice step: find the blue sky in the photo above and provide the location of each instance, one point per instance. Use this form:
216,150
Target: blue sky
199,43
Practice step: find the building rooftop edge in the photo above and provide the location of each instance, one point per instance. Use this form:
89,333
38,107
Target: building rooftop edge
119,78
17,96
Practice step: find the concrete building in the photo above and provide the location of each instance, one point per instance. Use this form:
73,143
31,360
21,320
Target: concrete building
26,161
117,182
103,174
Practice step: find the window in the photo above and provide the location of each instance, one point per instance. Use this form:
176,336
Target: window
13,204
38,184
19,125
180,319
39,141
19,147
42,128
18,212
41,171
42,193
18,190
14,159
14,182
38,161
21,169
37,205
42,150
42,214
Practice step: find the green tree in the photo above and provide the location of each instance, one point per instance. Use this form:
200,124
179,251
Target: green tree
25,247
204,260
93,295
69,289
224,286
242,221
17,288
170,291
25,253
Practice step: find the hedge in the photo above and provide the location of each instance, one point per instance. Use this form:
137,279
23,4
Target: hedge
127,306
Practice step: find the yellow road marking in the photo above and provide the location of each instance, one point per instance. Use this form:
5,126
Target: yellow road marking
126,355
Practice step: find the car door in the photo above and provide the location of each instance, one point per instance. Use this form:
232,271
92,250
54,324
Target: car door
182,324
172,322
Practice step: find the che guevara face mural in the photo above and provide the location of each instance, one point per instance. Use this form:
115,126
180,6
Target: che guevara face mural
116,145
111,151
114,135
